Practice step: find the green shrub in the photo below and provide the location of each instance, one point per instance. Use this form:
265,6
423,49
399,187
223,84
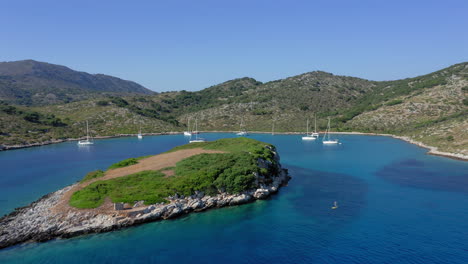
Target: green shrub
394,102
11,110
93,175
124,163
119,101
102,103
32,117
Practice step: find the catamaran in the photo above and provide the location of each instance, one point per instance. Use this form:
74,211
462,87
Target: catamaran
308,136
242,131
87,141
329,141
197,139
188,133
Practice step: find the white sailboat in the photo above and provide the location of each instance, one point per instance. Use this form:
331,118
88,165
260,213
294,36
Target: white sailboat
87,141
315,134
197,139
308,136
242,131
140,136
326,139
188,133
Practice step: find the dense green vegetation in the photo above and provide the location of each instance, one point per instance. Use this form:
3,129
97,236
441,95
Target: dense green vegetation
32,116
230,172
242,144
147,185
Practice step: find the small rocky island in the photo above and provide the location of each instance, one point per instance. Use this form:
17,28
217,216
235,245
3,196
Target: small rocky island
188,178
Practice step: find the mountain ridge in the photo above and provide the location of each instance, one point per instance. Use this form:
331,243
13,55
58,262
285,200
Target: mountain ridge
30,82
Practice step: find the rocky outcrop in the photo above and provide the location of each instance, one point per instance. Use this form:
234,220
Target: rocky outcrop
37,222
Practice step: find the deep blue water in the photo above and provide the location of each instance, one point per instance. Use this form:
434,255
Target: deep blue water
396,205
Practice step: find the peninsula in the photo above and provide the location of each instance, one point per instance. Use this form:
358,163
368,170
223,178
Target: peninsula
188,178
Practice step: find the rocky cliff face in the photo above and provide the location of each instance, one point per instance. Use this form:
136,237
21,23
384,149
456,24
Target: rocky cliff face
37,222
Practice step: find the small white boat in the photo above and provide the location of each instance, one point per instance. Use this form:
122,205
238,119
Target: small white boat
242,130
308,136
87,141
326,138
140,136
198,140
188,133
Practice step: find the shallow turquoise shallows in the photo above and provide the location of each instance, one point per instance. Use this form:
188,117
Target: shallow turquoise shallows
395,205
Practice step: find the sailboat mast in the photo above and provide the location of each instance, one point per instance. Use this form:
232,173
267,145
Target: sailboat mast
315,122
328,129
273,128
87,131
196,128
307,126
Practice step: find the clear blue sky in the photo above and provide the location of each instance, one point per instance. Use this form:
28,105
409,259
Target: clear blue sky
175,45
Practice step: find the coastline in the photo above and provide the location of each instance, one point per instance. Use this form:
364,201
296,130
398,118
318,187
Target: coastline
431,150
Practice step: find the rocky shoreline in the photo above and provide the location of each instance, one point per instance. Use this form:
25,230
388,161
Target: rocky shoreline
432,150
37,222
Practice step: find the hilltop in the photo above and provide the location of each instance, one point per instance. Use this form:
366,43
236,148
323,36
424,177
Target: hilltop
431,108
30,82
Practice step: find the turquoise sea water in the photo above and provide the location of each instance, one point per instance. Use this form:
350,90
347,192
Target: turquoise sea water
396,205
